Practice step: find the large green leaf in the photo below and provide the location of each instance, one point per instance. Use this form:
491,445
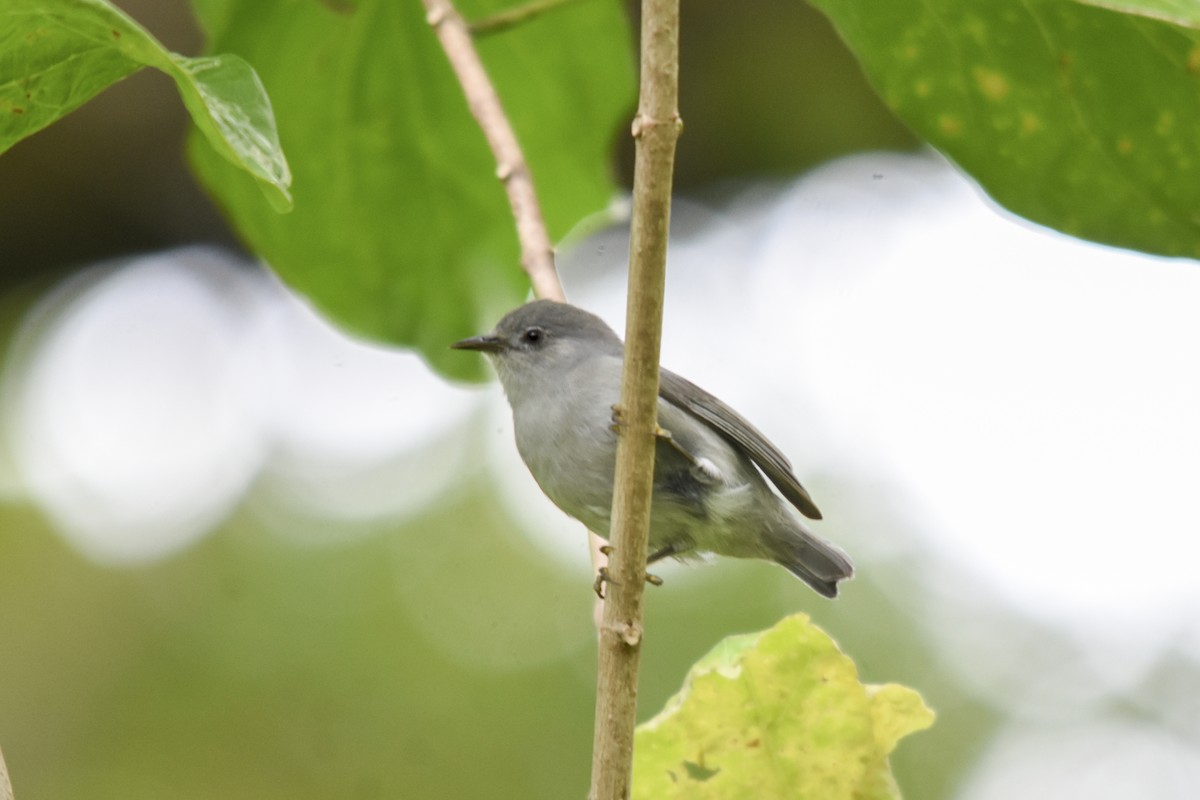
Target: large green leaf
401,230
777,714
57,54
1078,117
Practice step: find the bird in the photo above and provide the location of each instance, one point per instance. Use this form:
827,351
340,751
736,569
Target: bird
560,369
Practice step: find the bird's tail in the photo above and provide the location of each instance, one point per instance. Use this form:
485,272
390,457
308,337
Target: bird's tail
810,558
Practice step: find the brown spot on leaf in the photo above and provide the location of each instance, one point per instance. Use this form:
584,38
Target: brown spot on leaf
949,125
1193,60
992,84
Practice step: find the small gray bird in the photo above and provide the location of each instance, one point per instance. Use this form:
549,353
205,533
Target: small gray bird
561,371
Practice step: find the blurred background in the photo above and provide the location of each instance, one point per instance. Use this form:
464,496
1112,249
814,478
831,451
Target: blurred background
242,555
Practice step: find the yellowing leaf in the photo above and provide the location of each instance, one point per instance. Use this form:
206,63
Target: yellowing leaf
777,714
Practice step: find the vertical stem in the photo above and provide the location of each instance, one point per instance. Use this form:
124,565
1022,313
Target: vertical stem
656,129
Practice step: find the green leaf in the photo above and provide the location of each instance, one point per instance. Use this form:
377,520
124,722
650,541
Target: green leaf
777,714
55,55
1080,118
401,231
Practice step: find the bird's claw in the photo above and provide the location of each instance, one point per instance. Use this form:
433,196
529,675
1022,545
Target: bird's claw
602,577
617,413
618,423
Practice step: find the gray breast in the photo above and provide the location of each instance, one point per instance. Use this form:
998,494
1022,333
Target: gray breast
564,435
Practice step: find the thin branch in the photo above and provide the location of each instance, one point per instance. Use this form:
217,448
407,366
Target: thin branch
510,17
655,129
537,254
6,792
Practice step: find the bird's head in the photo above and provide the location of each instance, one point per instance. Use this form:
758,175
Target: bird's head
542,341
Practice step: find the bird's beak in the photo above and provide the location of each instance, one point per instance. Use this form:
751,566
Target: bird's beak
484,344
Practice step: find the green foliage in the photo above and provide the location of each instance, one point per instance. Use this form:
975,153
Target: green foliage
1077,117
401,231
777,714
55,55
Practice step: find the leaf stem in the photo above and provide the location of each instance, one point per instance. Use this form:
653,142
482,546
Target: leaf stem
656,129
537,254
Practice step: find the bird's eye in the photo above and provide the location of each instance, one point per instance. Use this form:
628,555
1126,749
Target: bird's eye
533,335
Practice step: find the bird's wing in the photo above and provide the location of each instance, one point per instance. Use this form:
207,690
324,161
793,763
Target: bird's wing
730,424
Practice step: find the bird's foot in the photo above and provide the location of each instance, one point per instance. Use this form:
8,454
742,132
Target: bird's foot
660,432
603,576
